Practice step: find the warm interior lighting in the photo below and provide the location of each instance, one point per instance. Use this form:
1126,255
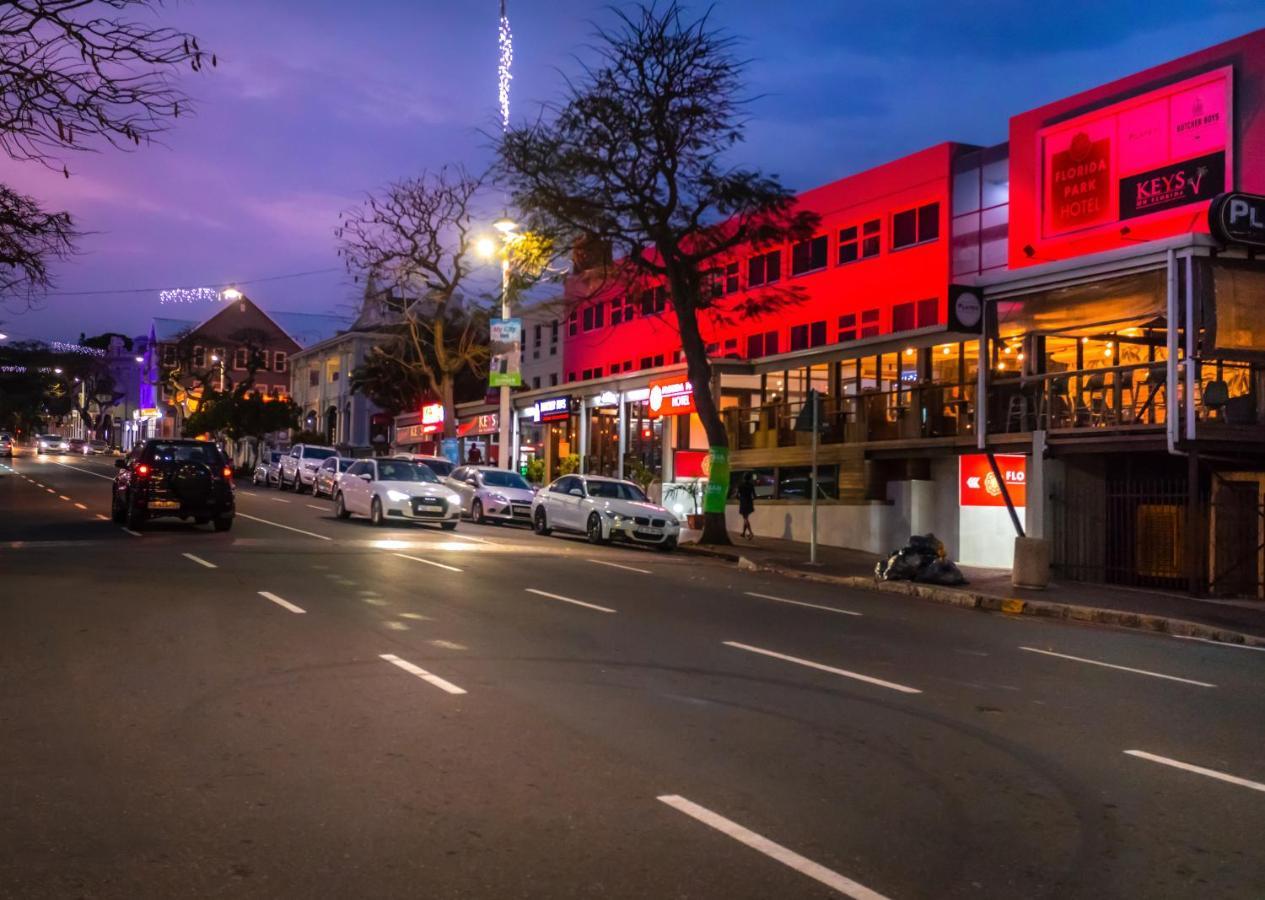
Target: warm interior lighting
946,351
1001,365
909,351
1084,340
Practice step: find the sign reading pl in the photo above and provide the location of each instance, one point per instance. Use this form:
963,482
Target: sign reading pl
977,485
1158,151
1238,219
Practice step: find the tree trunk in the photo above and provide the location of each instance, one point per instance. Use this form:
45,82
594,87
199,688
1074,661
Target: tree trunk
445,387
699,369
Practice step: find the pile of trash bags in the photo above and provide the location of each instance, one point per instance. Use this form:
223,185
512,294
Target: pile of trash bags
923,560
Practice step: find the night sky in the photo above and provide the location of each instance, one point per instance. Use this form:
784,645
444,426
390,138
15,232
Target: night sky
316,102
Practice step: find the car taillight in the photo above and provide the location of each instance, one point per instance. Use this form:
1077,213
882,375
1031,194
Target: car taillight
142,470
227,472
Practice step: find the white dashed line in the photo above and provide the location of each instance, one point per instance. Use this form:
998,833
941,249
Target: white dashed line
103,518
284,604
421,673
322,537
1198,770
429,562
833,609
133,533
569,600
904,689
314,506
602,562
785,856
1105,665
80,506
1189,637
199,560
279,500
62,497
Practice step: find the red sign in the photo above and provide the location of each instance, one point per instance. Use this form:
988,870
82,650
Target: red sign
690,463
1166,148
671,397
977,485
432,418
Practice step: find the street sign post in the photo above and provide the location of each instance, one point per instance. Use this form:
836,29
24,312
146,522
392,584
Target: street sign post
809,419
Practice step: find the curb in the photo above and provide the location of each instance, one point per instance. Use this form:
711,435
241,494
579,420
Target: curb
964,599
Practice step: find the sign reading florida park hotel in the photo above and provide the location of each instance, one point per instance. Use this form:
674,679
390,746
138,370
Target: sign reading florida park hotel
1151,153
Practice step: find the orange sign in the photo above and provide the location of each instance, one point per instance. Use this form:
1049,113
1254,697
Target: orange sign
671,397
977,485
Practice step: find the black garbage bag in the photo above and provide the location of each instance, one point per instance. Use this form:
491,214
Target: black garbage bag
941,571
903,565
927,543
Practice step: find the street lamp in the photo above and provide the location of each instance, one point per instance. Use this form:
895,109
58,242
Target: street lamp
216,359
231,293
486,248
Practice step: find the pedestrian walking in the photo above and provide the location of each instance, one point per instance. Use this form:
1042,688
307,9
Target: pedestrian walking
746,503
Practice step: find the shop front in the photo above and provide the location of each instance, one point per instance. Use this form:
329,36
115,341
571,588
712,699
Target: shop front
421,432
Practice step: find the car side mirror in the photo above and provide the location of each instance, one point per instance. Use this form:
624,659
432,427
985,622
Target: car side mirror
473,482
366,476
120,464
576,492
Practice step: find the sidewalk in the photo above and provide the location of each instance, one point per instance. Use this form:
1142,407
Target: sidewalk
1239,622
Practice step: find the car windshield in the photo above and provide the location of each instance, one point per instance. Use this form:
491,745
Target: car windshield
345,464
502,479
439,466
276,455
398,470
615,490
317,453
207,454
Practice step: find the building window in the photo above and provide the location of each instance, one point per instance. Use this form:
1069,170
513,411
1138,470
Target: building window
869,323
553,379
169,355
711,348
870,243
676,358
646,362
553,337
573,324
859,242
654,301
725,280
817,334
333,376
848,327
731,347
594,316
658,360
199,356
761,344
915,226
628,365
808,256
241,356
538,333
313,377
279,361
799,337
766,268
920,314
570,376
223,357
535,381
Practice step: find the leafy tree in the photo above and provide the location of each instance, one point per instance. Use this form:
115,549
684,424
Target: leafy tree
78,74
633,158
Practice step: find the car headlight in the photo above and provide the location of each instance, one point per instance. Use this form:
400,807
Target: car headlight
397,496
499,498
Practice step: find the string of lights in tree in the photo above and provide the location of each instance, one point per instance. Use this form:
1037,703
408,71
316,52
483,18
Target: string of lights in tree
62,347
188,295
505,40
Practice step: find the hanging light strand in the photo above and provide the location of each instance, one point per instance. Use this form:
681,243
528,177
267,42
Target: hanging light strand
505,41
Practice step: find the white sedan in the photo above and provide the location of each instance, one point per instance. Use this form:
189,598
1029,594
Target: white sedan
604,509
489,494
393,489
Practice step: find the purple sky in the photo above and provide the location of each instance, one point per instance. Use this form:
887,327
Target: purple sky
316,102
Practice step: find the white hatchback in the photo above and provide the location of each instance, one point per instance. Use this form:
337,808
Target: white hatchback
604,509
395,489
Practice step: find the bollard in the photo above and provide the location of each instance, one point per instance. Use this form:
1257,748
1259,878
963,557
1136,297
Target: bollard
1032,563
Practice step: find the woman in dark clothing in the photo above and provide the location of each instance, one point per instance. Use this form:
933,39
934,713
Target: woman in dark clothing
746,503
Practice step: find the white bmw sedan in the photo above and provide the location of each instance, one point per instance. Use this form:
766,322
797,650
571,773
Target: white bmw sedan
396,490
489,494
604,509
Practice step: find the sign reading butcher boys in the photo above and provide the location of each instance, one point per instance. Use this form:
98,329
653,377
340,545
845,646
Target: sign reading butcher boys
1158,151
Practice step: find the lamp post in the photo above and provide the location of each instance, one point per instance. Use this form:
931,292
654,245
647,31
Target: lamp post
486,247
219,362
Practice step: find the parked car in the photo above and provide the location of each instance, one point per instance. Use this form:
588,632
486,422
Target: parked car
328,474
492,494
385,489
51,443
95,447
604,509
267,469
184,478
298,467
440,465
76,445
6,444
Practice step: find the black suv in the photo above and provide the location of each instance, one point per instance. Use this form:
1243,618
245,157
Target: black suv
188,479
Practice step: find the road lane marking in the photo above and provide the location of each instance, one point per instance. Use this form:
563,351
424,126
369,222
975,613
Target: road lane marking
784,855
602,562
286,527
842,612
80,506
199,560
421,673
1191,637
103,518
279,500
62,497
50,490
85,471
904,689
133,533
284,604
1105,665
1198,770
314,506
569,600
429,562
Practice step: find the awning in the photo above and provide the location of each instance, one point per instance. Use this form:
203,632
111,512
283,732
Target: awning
1103,306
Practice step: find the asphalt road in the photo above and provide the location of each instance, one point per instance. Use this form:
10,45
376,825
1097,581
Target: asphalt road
304,707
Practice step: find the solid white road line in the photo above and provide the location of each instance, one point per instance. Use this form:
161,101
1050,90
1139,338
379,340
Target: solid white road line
421,673
286,527
133,533
569,600
279,500
602,562
1094,662
1190,637
85,471
843,612
314,506
1198,770
199,560
284,604
80,506
429,562
785,856
904,689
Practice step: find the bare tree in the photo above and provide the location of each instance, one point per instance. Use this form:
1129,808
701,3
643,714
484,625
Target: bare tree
415,238
76,75
633,158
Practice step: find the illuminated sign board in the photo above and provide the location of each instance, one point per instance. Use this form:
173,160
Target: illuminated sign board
552,409
432,418
1162,150
977,485
671,397
1238,219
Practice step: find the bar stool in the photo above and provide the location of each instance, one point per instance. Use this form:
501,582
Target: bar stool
1097,406
1053,401
1017,412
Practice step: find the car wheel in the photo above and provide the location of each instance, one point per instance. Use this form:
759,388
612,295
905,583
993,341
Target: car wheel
540,524
594,529
448,526
254,479
340,508
668,545
476,511
375,512
135,517
117,514
281,482
223,523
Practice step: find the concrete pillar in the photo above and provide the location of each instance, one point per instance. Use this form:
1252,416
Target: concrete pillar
623,434
584,436
1035,488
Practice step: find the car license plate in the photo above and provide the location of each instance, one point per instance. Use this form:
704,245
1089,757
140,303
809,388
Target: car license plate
164,504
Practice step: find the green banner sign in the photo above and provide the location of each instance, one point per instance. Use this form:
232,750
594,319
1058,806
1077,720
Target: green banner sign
717,480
